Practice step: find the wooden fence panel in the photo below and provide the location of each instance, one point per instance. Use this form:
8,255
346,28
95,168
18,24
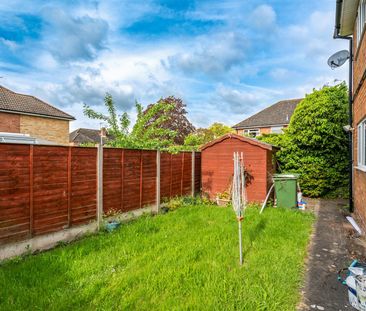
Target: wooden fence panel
112,180
177,166
14,192
45,189
187,174
50,189
131,179
165,175
83,196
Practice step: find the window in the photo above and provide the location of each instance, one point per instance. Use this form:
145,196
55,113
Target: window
252,132
361,145
361,19
276,129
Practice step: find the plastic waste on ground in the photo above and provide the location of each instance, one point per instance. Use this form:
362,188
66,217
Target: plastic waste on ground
356,284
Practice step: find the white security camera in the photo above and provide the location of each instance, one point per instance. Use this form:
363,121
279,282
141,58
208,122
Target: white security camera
347,128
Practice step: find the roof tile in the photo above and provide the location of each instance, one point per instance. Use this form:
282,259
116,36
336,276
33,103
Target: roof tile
278,113
27,104
83,135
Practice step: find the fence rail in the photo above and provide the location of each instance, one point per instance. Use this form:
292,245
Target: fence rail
45,189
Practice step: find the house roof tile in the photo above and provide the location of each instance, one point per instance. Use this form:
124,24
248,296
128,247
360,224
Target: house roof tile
27,104
278,114
84,135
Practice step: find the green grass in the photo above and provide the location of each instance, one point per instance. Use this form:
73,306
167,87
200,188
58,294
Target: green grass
183,260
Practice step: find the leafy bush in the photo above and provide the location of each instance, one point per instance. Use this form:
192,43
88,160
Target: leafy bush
273,139
315,145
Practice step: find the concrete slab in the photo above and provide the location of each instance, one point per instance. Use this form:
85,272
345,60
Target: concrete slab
334,246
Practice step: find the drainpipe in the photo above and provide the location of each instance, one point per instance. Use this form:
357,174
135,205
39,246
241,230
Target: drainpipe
350,120
350,99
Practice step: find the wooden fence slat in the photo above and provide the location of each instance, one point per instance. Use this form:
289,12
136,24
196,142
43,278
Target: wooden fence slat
182,174
140,179
122,176
69,187
193,172
31,212
171,175
157,208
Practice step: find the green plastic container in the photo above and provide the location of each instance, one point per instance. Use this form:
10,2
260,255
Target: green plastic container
286,190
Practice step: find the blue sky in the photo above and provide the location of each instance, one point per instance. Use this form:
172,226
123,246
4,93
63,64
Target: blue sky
225,59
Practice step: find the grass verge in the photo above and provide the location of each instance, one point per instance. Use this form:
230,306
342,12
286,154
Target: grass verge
186,259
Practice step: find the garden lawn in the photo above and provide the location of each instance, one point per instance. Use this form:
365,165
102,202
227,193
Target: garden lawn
186,259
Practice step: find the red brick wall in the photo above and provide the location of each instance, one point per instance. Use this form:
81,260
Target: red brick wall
9,122
359,114
217,168
265,130
360,195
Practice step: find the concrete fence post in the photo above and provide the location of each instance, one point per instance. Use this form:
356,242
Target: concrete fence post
100,186
157,206
193,172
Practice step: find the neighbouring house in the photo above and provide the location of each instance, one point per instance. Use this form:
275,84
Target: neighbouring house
217,166
270,120
350,24
87,136
26,114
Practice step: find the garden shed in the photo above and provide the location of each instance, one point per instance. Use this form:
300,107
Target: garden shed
217,165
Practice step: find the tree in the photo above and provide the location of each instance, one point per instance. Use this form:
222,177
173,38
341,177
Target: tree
199,137
202,136
218,129
273,139
147,132
315,144
176,121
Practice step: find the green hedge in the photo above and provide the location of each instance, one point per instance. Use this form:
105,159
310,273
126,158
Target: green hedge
315,144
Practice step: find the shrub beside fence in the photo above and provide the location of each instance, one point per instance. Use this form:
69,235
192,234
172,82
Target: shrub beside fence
45,189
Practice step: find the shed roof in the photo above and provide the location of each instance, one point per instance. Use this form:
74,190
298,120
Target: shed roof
278,114
27,104
245,139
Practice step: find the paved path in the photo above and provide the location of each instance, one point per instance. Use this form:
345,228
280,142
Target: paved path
333,247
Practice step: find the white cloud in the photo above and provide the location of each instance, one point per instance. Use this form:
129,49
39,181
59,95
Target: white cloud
45,61
263,16
73,38
123,13
12,45
212,54
312,38
280,73
242,99
238,101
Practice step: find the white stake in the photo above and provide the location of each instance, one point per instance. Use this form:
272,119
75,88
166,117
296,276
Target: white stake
239,196
240,244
